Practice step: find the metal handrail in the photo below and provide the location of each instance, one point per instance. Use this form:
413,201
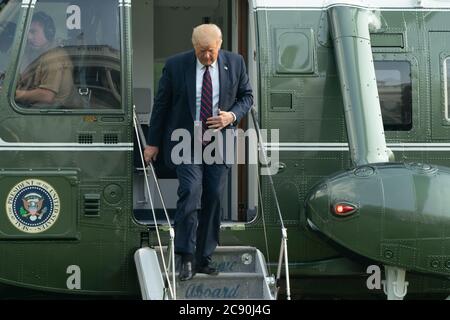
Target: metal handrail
142,143
283,249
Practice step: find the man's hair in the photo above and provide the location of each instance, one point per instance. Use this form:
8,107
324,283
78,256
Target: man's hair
47,23
206,30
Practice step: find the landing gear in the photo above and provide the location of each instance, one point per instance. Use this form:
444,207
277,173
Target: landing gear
395,286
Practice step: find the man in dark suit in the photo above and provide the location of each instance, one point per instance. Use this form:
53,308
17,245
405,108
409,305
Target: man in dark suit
207,89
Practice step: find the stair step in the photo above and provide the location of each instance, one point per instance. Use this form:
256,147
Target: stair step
228,259
242,275
225,286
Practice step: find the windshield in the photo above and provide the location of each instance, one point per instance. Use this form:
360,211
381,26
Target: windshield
9,15
71,57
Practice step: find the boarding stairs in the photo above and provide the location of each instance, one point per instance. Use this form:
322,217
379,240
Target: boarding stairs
243,273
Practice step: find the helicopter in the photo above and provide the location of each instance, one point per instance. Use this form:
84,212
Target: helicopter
353,98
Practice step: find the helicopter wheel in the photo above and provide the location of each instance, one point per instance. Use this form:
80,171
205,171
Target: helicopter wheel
395,287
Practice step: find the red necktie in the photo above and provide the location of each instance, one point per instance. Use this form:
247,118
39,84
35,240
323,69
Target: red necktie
206,101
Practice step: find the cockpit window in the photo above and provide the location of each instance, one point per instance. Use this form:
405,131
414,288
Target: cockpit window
9,15
71,58
394,88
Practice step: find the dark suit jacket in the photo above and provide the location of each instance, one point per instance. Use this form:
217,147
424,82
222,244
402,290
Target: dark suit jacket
174,106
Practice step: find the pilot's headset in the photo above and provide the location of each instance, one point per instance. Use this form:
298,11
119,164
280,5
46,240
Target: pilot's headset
47,23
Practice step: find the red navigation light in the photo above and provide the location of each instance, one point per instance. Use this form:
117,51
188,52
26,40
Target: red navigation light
344,209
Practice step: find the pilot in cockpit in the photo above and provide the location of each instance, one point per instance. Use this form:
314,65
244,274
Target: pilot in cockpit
46,79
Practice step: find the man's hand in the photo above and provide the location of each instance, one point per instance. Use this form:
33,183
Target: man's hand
34,96
19,95
221,121
150,153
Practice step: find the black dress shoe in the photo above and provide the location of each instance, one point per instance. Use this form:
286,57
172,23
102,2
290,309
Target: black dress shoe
186,272
207,270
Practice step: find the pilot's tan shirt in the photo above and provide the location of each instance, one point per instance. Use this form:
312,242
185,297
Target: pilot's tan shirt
51,71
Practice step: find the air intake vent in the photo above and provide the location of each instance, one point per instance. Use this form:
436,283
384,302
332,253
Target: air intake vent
85,138
92,204
110,138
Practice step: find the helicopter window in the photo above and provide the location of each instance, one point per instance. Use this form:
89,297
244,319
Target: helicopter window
9,15
447,86
71,58
394,88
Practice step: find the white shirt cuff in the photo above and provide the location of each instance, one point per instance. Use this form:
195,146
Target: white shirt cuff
234,116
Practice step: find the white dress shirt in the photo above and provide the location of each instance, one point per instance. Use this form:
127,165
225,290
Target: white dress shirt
214,73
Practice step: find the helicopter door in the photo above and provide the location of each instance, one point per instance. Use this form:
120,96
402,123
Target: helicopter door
63,131
160,30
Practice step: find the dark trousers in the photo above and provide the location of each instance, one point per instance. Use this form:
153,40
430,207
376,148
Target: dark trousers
197,219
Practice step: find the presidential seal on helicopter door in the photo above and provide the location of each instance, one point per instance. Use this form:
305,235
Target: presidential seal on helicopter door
33,206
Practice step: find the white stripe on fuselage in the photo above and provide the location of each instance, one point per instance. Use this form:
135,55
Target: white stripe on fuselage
331,146
374,4
31,146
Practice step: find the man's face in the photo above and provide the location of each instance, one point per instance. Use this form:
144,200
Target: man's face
36,35
207,51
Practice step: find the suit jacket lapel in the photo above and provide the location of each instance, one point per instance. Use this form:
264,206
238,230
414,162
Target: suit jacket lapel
189,76
223,77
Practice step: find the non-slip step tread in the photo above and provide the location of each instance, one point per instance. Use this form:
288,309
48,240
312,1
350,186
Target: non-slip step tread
227,275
